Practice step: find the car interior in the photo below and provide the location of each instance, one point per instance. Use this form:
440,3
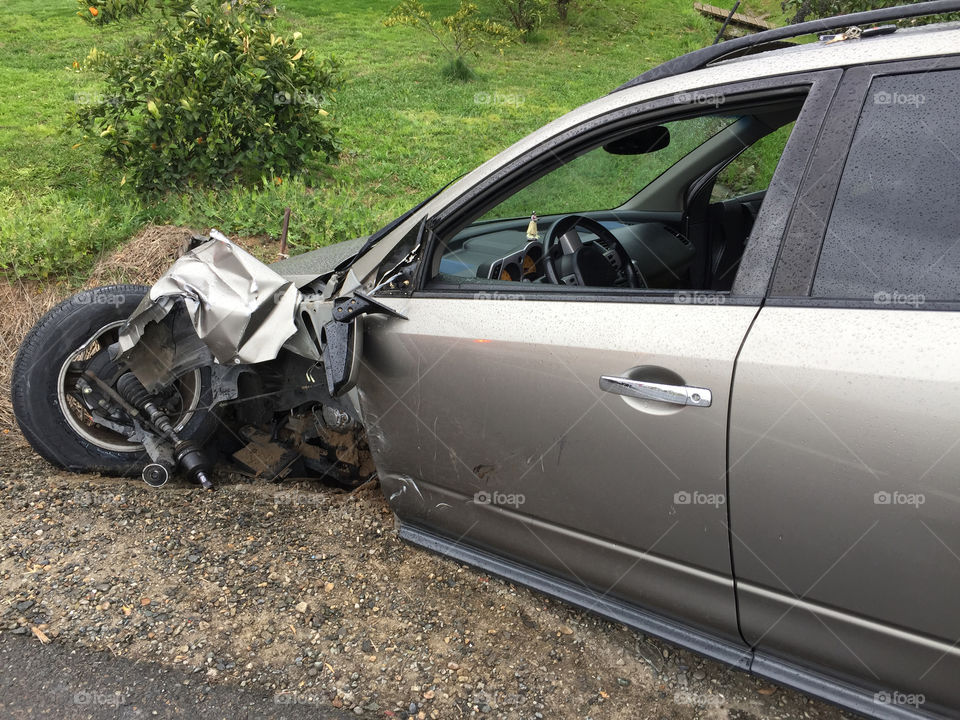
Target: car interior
657,207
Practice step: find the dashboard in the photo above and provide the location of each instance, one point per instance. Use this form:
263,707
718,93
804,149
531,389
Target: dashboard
499,250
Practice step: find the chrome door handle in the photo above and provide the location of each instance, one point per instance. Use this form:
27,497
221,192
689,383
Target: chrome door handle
673,394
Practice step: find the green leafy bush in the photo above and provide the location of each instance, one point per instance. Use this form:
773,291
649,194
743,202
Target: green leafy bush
458,35
101,12
213,96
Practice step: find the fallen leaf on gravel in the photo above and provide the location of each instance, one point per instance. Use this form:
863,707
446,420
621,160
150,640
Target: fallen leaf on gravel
41,636
767,690
144,601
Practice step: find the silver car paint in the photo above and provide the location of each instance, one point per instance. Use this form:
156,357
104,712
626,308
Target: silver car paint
240,308
487,424
845,493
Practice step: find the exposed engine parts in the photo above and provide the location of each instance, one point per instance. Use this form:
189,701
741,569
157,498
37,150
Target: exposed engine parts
211,363
312,438
321,440
167,450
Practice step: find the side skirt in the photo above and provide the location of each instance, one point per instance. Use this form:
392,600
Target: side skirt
581,596
743,658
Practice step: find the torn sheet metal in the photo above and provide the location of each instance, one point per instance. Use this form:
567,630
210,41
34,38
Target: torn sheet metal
240,308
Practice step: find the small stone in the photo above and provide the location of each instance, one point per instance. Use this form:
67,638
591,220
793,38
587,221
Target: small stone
144,601
566,630
302,606
623,682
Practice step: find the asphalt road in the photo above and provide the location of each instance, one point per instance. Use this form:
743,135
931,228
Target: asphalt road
54,681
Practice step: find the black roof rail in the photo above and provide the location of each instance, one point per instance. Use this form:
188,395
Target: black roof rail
699,59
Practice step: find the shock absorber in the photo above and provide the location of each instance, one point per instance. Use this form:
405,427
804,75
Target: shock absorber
189,458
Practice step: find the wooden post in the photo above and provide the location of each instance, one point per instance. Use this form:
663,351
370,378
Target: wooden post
283,233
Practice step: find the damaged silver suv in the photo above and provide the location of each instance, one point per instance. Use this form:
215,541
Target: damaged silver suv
687,357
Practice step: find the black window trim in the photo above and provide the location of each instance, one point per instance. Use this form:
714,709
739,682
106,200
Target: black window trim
749,288
795,272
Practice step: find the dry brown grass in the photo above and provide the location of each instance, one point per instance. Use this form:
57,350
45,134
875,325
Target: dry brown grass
141,260
23,305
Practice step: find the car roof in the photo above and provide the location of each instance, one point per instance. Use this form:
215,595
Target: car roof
904,44
779,36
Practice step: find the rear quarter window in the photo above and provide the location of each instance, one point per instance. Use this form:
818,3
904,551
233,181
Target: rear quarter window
894,230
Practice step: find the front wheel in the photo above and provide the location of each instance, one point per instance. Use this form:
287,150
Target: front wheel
59,420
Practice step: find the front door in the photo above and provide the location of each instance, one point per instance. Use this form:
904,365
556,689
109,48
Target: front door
570,417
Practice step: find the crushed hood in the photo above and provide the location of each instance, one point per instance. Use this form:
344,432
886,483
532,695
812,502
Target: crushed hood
305,268
242,309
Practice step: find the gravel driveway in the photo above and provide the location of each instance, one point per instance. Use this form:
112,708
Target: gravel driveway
302,596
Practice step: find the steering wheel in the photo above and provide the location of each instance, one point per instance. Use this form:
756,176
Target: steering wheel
568,261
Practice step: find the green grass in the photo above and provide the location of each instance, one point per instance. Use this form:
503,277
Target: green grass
406,130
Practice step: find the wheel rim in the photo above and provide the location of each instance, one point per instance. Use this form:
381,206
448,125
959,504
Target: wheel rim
78,417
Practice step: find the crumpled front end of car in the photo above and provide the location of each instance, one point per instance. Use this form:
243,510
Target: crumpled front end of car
281,352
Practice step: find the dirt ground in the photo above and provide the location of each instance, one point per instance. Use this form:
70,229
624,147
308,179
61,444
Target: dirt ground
305,593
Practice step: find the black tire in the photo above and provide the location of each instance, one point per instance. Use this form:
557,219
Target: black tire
36,376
